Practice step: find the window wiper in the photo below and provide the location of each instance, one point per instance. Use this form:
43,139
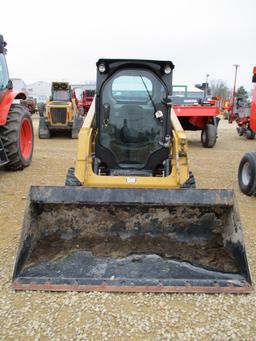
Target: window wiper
150,97
164,140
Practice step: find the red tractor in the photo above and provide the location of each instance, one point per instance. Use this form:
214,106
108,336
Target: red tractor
244,114
240,113
247,167
16,128
87,98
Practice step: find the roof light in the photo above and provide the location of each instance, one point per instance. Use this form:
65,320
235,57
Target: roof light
167,69
102,68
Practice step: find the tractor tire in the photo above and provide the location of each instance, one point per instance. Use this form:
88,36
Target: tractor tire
18,137
247,174
43,130
71,179
191,182
209,136
250,135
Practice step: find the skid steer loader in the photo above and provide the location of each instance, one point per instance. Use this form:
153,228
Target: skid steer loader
60,113
129,218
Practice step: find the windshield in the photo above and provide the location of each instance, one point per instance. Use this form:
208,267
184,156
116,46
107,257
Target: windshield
3,72
61,95
132,116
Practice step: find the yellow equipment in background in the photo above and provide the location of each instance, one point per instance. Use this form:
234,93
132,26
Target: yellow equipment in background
61,113
129,217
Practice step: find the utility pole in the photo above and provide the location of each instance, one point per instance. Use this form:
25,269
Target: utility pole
206,87
234,92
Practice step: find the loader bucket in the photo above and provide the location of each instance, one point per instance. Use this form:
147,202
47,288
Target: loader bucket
146,240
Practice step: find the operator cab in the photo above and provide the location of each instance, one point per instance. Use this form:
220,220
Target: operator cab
133,116
61,91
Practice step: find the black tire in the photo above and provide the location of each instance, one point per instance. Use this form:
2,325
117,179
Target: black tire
77,124
247,174
191,182
41,109
209,136
74,134
250,135
11,137
71,179
240,131
43,130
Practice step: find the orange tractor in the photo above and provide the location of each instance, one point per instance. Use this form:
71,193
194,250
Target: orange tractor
16,128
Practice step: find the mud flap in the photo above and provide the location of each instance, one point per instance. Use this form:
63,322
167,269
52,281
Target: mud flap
151,240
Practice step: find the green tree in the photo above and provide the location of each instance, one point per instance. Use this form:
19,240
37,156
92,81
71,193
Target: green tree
241,92
219,88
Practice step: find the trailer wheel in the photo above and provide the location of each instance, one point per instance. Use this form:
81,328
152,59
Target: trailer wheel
191,182
71,179
247,174
18,137
249,134
209,136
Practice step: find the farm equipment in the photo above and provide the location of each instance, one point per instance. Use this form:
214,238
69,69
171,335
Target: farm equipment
240,113
16,128
244,114
60,113
226,108
199,114
129,217
87,98
84,97
247,167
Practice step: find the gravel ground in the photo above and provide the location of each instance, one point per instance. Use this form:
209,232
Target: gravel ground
106,316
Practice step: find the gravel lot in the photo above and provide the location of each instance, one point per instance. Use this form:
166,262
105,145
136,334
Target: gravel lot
106,316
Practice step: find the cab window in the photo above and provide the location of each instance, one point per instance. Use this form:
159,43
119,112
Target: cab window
4,77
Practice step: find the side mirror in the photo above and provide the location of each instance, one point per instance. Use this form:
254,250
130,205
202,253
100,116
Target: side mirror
106,112
9,85
167,101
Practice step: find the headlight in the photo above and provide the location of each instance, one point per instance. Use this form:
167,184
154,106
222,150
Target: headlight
102,68
167,69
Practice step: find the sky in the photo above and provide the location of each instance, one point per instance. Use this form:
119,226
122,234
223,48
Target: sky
62,40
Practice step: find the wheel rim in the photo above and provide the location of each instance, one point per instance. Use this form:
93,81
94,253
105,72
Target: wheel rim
246,173
26,137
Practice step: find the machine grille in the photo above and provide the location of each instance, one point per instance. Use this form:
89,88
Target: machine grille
58,115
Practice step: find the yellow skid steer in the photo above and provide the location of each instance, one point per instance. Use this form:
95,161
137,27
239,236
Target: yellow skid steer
129,217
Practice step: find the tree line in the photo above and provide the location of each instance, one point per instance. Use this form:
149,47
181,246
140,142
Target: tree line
219,88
